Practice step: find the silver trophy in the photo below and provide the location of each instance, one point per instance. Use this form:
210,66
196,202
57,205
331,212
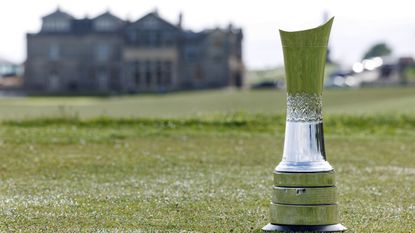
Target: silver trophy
304,192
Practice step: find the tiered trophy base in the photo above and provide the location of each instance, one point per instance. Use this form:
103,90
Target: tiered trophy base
304,202
297,228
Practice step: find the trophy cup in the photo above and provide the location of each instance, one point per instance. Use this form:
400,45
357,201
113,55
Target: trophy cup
304,192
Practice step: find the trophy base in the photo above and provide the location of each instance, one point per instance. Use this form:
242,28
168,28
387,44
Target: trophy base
297,228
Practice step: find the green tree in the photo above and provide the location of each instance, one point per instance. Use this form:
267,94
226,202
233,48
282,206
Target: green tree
377,50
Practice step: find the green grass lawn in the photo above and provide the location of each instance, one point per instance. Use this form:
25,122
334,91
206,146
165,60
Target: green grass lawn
191,104
206,169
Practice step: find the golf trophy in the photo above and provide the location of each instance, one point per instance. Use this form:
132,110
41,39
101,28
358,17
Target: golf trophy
304,192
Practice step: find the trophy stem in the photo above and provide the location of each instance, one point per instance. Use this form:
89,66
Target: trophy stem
304,139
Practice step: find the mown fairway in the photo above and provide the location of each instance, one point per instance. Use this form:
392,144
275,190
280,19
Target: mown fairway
206,169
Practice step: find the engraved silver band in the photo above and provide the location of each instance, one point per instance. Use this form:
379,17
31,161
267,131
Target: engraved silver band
304,107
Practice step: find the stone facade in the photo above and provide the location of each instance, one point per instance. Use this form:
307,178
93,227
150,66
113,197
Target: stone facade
107,54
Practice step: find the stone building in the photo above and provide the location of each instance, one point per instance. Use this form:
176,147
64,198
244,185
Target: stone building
108,54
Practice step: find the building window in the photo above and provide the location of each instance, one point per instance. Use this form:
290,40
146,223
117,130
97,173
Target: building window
102,80
191,54
217,43
132,37
158,39
150,23
144,38
54,52
218,58
137,73
168,39
167,72
198,73
55,25
152,39
159,74
104,25
103,52
148,73
53,81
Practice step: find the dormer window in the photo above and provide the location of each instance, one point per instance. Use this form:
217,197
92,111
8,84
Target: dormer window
56,25
107,22
104,25
151,22
58,21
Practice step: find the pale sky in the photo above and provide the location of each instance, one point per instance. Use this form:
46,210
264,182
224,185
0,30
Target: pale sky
358,23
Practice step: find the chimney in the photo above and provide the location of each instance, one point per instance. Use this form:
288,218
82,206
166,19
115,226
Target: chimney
180,20
156,11
230,27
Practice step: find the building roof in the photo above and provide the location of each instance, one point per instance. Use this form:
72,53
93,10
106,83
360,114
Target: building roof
149,21
154,16
108,14
58,14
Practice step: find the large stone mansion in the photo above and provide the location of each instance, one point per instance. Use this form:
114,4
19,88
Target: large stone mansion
108,54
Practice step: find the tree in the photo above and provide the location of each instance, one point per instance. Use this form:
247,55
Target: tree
378,50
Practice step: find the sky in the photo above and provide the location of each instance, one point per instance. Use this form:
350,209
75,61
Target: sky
358,24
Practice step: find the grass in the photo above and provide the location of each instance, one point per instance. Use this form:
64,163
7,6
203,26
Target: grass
193,104
210,172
